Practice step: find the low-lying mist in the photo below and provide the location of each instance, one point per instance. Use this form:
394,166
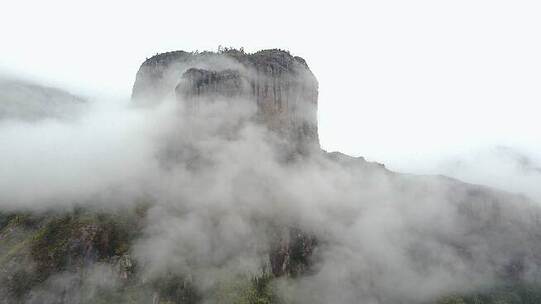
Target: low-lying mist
216,182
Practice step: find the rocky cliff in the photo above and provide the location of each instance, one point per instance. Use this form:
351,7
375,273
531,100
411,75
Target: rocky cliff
243,230
281,86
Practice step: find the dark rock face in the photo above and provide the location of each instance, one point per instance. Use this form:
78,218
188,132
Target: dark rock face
199,82
156,77
281,85
198,86
291,253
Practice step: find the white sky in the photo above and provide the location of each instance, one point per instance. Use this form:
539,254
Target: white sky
400,81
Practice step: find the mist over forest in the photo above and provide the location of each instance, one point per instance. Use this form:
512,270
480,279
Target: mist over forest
209,185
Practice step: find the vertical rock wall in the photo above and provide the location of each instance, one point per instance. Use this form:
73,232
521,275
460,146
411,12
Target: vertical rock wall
282,86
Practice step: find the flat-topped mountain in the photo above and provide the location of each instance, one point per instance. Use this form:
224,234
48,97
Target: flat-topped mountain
281,85
215,214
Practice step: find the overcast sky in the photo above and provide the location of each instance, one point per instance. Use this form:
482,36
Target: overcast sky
400,81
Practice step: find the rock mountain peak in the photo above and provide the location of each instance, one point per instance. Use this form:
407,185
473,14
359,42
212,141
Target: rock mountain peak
280,84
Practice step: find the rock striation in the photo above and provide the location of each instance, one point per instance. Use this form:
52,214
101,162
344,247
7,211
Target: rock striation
281,85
